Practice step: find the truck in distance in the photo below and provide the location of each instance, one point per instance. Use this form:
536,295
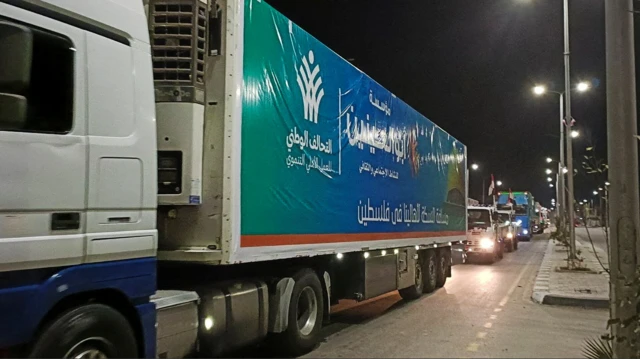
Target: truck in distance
522,204
483,240
507,229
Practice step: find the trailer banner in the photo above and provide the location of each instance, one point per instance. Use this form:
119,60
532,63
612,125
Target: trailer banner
329,155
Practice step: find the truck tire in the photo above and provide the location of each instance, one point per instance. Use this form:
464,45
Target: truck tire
415,291
509,246
492,257
429,271
90,331
444,261
306,312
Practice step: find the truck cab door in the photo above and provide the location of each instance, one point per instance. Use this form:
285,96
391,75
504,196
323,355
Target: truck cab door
43,144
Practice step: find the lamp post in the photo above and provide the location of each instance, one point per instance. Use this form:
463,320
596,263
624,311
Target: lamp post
540,90
569,123
476,167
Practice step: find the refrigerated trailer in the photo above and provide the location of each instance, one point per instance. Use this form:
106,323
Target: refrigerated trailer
184,176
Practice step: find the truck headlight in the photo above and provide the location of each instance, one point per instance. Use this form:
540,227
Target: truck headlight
486,243
509,235
524,231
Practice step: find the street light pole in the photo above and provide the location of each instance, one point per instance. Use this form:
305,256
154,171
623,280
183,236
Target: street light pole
568,119
561,190
624,211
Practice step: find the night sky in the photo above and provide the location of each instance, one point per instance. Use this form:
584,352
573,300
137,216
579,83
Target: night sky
469,66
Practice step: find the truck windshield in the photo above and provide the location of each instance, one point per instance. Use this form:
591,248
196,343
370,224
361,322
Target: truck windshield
503,218
478,218
520,209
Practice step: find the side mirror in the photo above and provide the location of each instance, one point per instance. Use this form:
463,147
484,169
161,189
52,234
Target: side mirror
16,54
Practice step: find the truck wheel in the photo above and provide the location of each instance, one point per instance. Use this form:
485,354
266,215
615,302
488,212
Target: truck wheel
444,261
509,246
306,312
429,271
415,291
92,331
492,257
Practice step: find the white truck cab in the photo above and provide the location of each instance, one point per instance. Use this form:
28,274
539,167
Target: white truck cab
483,241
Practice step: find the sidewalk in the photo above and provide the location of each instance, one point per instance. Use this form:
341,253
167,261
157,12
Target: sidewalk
574,288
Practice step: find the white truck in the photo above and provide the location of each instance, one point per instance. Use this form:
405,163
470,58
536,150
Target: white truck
189,176
507,228
483,238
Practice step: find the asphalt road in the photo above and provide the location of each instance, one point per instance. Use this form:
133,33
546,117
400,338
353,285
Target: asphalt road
483,311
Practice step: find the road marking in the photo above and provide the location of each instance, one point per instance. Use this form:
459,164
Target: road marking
473,347
515,283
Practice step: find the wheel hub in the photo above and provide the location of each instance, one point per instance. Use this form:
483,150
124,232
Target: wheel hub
432,271
89,348
91,354
418,274
307,311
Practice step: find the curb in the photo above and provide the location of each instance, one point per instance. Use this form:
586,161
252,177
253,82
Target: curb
541,285
552,299
541,293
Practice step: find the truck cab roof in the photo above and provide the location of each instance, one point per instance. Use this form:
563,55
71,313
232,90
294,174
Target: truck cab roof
124,18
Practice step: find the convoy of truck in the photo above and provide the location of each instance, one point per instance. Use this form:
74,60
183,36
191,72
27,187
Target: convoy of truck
191,176
491,232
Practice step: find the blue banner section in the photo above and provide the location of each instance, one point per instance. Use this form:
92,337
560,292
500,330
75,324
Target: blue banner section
327,150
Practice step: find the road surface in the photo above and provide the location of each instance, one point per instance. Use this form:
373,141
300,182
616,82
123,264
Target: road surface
483,311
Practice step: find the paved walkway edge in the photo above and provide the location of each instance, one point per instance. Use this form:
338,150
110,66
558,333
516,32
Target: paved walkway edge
541,293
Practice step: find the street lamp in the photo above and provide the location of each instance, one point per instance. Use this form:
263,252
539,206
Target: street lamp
565,121
539,90
548,171
549,160
595,193
607,184
565,117
583,86
476,167
549,179
574,133
499,183
551,185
